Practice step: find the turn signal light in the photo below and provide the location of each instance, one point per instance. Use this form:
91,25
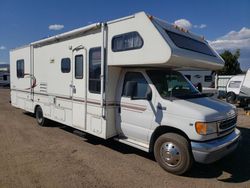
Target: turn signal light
201,128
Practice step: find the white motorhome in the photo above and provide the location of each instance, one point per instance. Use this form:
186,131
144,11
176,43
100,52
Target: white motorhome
116,80
238,88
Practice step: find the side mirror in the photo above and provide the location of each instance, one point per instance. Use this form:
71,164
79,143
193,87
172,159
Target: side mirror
199,87
130,88
149,94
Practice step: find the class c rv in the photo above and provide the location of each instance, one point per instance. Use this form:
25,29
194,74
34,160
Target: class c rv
116,80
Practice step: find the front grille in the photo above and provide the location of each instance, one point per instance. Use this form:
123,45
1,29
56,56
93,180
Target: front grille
229,123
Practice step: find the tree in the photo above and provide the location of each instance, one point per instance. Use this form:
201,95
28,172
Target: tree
232,65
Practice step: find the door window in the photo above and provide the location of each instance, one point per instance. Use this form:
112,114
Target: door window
142,85
79,66
95,70
20,68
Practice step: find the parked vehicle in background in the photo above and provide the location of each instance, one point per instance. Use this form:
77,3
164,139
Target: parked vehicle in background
221,84
238,89
205,78
117,80
4,79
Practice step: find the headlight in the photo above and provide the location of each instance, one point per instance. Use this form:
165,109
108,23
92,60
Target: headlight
206,128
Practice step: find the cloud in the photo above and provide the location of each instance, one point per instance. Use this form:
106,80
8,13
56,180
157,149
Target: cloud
235,40
201,26
56,27
183,23
2,48
186,24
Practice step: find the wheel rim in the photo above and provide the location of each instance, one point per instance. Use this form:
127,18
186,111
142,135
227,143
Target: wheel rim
170,154
39,116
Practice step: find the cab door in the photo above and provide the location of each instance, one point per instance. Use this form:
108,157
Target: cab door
135,112
79,89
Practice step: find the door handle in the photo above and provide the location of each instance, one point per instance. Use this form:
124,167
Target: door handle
73,88
160,107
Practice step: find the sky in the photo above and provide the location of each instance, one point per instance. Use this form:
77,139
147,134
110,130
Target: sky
224,23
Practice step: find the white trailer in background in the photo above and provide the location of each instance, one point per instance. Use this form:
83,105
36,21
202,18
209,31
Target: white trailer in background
205,77
221,84
116,80
238,89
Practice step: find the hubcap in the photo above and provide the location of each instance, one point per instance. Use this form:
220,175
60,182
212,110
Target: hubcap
170,154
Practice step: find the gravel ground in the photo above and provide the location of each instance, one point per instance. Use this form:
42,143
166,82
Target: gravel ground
59,156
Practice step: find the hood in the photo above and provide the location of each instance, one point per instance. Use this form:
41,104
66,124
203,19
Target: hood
203,109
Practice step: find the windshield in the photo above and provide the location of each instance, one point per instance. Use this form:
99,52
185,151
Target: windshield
172,84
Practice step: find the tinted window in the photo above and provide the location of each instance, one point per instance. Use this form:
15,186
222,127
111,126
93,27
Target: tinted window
79,67
234,84
127,41
142,85
65,65
95,70
187,43
208,78
20,68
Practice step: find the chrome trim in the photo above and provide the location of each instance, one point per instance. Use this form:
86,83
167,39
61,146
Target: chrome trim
170,154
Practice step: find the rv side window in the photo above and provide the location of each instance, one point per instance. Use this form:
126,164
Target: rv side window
65,65
142,84
234,84
95,70
208,78
20,68
127,41
78,66
188,43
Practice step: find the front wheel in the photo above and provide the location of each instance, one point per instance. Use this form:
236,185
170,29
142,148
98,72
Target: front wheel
173,154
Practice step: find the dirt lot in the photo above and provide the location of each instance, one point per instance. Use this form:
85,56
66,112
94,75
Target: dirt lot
58,156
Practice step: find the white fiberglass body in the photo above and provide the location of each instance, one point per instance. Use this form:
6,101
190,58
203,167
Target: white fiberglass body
116,79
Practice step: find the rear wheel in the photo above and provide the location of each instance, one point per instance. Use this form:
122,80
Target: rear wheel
172,153
41,120
231,97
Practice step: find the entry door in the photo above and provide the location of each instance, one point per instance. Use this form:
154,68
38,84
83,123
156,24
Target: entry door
136,115
78,88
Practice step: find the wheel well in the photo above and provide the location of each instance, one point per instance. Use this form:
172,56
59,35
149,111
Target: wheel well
162,130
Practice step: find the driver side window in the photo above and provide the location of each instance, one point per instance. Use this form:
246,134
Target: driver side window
142,85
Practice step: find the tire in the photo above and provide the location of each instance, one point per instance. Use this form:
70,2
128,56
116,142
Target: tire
172,152
41,120
231,97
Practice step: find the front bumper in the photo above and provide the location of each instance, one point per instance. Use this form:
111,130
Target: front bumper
211,151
